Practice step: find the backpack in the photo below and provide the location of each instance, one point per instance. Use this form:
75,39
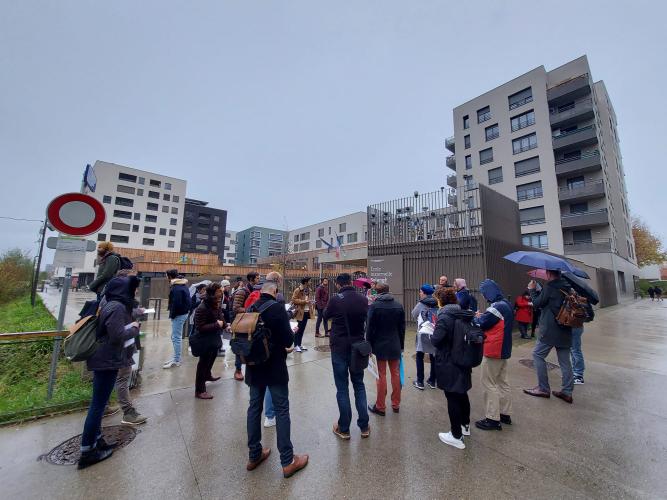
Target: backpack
125,262
467,344
430,315
252,298
250,336
573,311
82,342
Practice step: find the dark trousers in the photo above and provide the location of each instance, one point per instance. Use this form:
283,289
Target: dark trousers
300,328
204,367
237,363
320,319
103,384
341,371
420,368
458,407
536,320
280,397
523,329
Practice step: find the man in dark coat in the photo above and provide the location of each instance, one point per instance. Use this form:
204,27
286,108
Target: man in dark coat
273,375
347,311
552,335
107,267
321,301
386,334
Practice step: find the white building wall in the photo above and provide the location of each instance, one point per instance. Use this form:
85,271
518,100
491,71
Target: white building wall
230,253
352,228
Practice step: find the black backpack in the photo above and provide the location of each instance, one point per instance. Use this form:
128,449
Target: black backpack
125,262
467,344
251,339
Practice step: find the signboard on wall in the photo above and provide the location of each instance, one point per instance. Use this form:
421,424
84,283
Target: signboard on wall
388,269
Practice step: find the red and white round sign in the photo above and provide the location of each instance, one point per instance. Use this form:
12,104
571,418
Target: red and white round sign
76,214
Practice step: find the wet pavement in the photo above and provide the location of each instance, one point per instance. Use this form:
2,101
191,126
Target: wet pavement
612,442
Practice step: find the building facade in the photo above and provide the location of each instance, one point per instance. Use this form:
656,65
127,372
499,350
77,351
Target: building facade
257,242
348,230
229,258
204,228
549,140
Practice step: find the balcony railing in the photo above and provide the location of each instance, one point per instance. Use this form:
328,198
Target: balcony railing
521,102
589,218
575,158
450,143
485,160
451,162
572,132
573,87
592,246
524,124
529,194
581,136
483,118
451,181
492,136
589,189
531,222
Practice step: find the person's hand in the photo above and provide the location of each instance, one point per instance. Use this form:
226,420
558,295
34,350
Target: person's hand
289,349
532,285
136,324
478,314
221,323
141,310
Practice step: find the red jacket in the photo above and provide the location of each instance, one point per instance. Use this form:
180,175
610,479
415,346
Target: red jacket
524,310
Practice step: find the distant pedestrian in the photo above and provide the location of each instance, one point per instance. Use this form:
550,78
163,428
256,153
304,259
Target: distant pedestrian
370,292
658,293
321,301
209,324
467,300
552,335
651,293
386,334
347,311
179,307
523,313
496,322
425,310
108,264
302,309
443,282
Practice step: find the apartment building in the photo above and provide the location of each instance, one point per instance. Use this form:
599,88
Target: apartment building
204,228
549,140
229,257
348,230
257,242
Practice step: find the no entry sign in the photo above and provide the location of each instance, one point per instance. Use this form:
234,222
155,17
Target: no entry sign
76,214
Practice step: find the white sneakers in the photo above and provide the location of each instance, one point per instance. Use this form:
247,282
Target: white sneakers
269,422
465,430
447,438
297,349
171,363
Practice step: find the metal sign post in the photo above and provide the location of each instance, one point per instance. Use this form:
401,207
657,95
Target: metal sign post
59,327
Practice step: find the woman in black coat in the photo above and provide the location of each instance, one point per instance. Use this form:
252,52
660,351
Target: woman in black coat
455,380
209,324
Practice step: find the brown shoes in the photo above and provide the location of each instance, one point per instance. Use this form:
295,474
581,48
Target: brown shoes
299,462
537,392
238,375
342,435
253,465
366,433
204,395
561,395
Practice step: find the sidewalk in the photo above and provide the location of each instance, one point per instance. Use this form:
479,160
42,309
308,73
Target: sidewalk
611,442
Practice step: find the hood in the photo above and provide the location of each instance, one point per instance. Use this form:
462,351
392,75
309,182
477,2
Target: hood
179,281
121,289
384,297
460,283
491,290
429,302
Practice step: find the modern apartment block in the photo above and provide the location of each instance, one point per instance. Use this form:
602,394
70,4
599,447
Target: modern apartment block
204,228
549,140
259,242
229,258
349,229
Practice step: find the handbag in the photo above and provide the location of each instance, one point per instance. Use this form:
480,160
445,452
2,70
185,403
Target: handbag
361,350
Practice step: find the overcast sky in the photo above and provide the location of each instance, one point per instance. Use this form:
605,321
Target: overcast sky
296,111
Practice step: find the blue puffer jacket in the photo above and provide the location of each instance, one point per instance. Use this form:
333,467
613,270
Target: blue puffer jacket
496,322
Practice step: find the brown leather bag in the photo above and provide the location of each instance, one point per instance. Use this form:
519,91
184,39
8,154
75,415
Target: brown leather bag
573,310
245,323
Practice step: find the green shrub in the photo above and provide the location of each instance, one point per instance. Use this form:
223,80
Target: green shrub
16,269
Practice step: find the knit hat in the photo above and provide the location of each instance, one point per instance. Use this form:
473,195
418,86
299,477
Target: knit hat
225,283
427,289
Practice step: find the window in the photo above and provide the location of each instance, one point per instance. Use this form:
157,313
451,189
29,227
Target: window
165,209
202,226
154,194
125,202
255,243
582,236
166,197
202,248
101,237
486,156
535,240
122,214
216,229
154,183
483,114
214,238
318,243
187,236
496,175
466,122
151,206
163,232
527,167
174,210
523,120
576,182
529,191
579,208
120,226
172,232
151,218
142,180
140,192
149,230
352,238
530,216
275,246
256,234
524,143
170,244
175,199
106,199
305,236
124,189
135,228
202,237
137,216
466,142
167,186
148,242
342,227
274,237
320,232
492,132
173,222
254,252
468,162
127,177
520,98
116,238
216,218
304,246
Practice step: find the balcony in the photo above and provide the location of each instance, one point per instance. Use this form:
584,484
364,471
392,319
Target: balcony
587,162
570,89
571,113
450,144
451,162
581,192
452,199
451,181
583,247
580,137
585,219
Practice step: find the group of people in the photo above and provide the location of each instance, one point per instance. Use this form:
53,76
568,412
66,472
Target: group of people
353,322
655,292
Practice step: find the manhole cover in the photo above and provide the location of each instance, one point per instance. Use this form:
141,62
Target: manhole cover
322,348
68,452
427,359
528,363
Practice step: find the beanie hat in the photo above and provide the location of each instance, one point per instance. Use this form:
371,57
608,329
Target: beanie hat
427,289
225,283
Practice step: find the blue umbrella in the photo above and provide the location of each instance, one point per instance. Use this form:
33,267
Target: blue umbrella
581,273
540,260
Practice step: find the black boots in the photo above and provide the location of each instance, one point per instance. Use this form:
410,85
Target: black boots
93,456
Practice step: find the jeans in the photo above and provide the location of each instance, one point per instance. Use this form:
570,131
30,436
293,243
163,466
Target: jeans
540,354
458,407
237,363
320,320
123,388
497,390
269,410
204,366
341,369
301,327
420,368
103,383
280,397
177,334
523,329
394,365
578,365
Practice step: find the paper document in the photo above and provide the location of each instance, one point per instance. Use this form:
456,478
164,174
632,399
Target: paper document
149,311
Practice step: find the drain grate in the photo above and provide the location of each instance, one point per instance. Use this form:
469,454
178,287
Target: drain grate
322,348
68,452
528,363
